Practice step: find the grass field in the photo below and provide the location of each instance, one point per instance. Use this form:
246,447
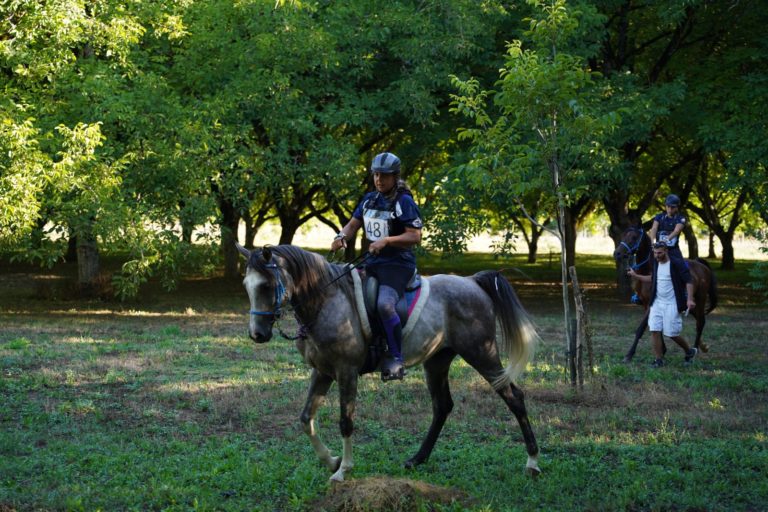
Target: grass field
163,403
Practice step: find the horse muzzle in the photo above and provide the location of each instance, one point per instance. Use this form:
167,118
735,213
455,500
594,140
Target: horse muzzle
259,335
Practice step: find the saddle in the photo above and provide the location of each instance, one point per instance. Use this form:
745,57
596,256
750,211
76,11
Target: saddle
404,308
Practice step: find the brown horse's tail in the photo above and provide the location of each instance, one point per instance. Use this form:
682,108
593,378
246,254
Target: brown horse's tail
712,286
518,334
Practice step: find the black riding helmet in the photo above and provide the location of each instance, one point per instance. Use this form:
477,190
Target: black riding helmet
386,163
672,200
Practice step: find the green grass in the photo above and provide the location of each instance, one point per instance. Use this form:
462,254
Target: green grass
164,404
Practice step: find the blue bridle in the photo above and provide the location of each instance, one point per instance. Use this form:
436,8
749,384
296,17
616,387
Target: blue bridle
279,293
633,250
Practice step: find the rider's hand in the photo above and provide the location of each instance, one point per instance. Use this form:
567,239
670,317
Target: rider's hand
376,247
691,305
338,243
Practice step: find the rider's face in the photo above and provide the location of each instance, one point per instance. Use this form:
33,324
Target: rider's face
671,210
384,181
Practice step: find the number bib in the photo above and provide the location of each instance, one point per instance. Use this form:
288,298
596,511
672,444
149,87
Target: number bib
664,237
376,224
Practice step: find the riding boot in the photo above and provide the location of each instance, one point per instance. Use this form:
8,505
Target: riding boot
392,367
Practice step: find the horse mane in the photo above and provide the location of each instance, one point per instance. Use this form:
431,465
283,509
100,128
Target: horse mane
311,275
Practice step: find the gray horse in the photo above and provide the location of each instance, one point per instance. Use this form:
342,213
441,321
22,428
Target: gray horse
459,318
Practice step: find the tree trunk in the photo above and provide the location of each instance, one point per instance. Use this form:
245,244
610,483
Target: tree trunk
729,261
690,240
87,264
250,230
230,221
289,225
71,255
533,245
712,255
187,226
569,231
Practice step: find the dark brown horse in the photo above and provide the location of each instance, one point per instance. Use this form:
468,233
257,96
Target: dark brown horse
635,245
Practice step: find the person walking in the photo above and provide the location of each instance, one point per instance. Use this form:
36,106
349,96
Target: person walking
671,295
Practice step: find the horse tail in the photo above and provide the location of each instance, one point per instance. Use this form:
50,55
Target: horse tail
518,334
712,286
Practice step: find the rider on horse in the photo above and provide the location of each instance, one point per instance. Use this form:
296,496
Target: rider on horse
668,225
666,228
393,226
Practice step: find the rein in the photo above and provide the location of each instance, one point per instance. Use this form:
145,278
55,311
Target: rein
633,251
277,311
352,265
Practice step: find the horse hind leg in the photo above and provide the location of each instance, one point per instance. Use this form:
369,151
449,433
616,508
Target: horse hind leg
488,365
515,400
318,388
436,369
701,320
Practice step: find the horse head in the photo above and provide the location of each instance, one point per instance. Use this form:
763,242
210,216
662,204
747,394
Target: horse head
630,243
264,284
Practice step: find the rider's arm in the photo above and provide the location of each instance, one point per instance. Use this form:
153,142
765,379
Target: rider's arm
653,230
411,237
675,232
346,233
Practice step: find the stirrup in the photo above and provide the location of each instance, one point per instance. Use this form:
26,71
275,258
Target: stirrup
392,369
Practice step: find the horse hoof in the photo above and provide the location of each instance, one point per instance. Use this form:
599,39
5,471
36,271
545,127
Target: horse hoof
532,466
334,464
703,347
533,472
412,463
337,477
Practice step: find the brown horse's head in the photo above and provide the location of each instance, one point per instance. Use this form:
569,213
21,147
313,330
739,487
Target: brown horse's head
631,241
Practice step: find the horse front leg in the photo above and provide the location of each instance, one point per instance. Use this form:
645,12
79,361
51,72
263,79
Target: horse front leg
347,379
318,388
638,334
436,370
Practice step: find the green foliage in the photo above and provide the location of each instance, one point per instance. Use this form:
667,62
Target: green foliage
24,170
167,257
546,129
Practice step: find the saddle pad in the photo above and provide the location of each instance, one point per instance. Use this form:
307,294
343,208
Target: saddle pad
414,311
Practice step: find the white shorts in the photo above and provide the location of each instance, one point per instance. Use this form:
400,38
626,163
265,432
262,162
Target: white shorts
665,318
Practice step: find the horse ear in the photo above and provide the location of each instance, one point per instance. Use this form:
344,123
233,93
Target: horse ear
266,253
245,252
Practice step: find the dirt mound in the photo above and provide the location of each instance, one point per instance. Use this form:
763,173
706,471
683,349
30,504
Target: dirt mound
383,494
387,494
